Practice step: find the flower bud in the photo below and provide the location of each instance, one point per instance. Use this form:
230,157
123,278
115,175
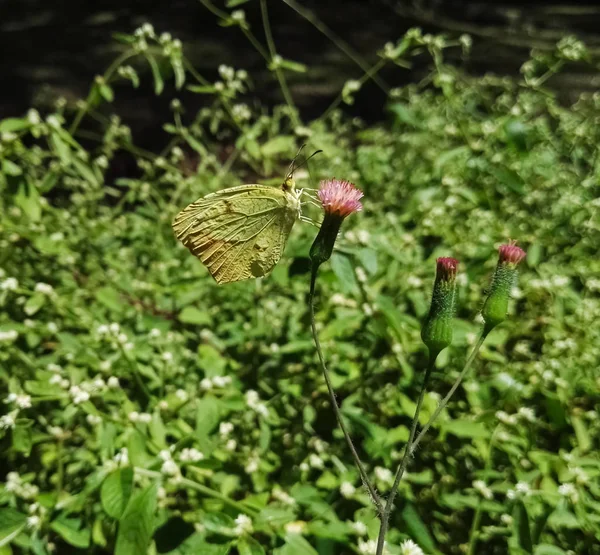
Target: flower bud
505,278
339,199
437,329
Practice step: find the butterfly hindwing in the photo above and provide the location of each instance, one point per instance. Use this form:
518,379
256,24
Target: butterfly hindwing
238,233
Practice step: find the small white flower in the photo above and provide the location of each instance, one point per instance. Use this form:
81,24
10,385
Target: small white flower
9,284
165,455
102,329
505,418
252,464
190,455
64,383
122,338
483,489
181,394
113,382
23,401
51,327
54,367
114,328
361,275
368,547
145,418
347,489
262,409
283,496
409,547
243,525
167,356
154,332
231,445
163,405
206,384
225,428
7,421
359,528
296,527
506,519
384,474
79,395
44,288
105,365
169,468
8,335
221,381
570,491
33,521
527,414
523,488
93,419
315,461
122,457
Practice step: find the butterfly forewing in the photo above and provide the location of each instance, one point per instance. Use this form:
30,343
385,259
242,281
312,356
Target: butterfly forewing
238,233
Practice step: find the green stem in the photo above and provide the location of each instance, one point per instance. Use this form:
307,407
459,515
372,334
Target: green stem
202,489
411,448
341,44
473,534
413,429
336,409
280,77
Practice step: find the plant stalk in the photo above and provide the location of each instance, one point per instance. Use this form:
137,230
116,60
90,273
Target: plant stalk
410,448
336,409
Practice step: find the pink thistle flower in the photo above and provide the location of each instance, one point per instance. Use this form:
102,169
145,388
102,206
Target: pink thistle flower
339,197
511,254
446,268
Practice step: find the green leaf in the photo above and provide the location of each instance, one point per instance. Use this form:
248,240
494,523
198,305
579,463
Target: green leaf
159,84
466,428
110,298
234,3
282,144
295,544
85,171
11,524
293,66
34,303
62,149
70,529
28,199
582,434
342,268
219,523
137,524
116,491
202,89
14,124
192,315
521,527
106,92
249,546
417,528
208,415
547,549
10,168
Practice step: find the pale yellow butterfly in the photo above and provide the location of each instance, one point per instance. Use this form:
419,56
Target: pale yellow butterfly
241,232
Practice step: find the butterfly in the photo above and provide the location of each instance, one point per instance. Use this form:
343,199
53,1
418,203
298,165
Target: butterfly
241,232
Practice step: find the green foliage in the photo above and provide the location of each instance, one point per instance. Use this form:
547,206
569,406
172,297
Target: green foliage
150,410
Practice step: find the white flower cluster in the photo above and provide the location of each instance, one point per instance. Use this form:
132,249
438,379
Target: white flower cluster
347,489
9,284
216,382
482,488
141,417
522,489
15,484
409,547
283,496
254,402
113,333
569,490
7,336
21,400
243,525
190,455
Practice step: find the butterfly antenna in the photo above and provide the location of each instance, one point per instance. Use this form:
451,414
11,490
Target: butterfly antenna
293,166
307,159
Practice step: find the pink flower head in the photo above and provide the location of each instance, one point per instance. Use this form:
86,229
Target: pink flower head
511,254
446,268
339,197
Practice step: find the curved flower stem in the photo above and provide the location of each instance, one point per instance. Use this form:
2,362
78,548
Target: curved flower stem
411,447
336,409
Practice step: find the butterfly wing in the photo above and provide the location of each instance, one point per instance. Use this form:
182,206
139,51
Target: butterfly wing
238,233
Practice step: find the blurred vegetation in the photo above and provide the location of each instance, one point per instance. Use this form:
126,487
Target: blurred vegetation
147,409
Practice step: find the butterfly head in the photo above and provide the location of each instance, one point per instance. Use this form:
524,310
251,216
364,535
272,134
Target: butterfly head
289,184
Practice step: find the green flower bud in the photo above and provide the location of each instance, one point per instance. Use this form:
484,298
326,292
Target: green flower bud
505,278
437,329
